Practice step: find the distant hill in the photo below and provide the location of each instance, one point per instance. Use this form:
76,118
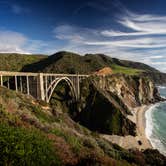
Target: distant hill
67,62
15,62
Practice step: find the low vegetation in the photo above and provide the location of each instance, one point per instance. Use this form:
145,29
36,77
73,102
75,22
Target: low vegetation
28,137
15,62
20,146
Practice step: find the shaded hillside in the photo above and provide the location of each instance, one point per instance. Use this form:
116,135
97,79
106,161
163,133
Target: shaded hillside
15,62
67,62
157,77
34,134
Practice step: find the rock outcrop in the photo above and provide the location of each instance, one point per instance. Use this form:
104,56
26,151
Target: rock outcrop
107,100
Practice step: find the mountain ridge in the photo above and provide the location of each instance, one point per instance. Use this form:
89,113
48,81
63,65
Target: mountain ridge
85,64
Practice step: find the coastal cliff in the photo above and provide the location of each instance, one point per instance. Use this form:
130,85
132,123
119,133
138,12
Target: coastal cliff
84,132
107,101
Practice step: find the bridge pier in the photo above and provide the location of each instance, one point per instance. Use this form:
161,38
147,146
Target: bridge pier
46,86
41,87
8,84
1,78
27,82
77,88
21,87
16,85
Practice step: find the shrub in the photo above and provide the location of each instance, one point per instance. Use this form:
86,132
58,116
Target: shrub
72,140
43,117
19,146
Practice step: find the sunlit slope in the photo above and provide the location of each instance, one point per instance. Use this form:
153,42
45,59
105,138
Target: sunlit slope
15,62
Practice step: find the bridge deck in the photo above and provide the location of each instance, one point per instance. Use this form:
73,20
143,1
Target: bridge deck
9,73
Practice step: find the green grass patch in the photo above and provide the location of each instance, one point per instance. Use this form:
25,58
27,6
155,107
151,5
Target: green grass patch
125,70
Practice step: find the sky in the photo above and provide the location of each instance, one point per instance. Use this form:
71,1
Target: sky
126,29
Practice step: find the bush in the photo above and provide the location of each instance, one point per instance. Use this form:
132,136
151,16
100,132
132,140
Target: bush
19,146
72,140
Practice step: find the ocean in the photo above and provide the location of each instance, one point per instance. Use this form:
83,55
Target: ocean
156,123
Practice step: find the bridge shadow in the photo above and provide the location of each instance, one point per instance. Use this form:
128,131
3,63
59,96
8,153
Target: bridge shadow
63,101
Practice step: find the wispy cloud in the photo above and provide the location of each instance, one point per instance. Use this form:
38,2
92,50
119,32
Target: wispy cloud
139,46
143,38
17,9
139,25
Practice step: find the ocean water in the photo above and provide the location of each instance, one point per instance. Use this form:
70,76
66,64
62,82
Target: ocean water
156,124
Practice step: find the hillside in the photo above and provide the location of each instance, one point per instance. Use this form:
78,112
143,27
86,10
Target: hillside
32,133
67,62
15,62
66,132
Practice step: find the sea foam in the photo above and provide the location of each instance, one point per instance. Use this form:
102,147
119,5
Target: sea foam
149,130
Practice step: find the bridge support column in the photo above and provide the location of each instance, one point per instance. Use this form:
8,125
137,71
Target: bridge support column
8,84
16,87
78,87
46,86
41,87
27,78
1,77
21,87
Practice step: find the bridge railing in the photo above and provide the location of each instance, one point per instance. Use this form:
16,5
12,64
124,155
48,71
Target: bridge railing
10,73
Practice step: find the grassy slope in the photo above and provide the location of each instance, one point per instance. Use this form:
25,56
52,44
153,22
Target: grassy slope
15,62
31,135
125,70
67,62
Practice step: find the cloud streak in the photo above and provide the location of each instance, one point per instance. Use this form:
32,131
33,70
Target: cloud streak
143,39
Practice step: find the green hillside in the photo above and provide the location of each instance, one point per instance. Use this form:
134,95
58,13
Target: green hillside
67,62
35,134
15,62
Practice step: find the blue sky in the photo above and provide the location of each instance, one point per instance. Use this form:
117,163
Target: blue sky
126,29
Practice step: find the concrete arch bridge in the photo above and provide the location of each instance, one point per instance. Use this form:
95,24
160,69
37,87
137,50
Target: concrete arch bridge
40,85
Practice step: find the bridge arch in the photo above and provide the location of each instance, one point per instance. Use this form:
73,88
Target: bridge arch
54,84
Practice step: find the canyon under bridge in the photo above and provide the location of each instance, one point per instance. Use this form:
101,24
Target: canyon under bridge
40,85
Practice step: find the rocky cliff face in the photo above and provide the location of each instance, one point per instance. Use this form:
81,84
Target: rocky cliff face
132,90
106,101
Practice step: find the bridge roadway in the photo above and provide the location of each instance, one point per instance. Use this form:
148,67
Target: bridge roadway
40,85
